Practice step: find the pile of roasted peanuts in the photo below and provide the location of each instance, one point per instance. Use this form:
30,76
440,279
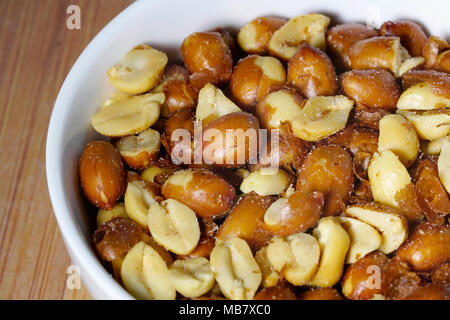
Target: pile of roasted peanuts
358,207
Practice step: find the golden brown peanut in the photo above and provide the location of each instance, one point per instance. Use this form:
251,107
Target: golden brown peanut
363,238
231,141
116,237
321,117
270,277
431,194
266,182
442,274
288,154
341,37
235,269
191,277
179,93
410,64
378,53
141,150
365,279
174,226
392,225
412,36
178,136
430,291
102,174
426,248
387,176
245,221
308,28
431,52
295,213
139,70
311,71
117,211
444,164
295,257
128,116
254,37
280,106
254,77
438,81
443,61
207,56
213,104
368,117
398,135
275,293
320,294
203,191
361,142
138,199
328,170
372,88
334,244
145,274
421,97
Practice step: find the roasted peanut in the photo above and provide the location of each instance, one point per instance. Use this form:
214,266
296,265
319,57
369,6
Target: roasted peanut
421,97
387,176
378,53
177,89
429,125
439,81
433,147
102,174
117,211
191,277
334,243
430,291
266,182
213,104
270,277
310,28
254,37
295,213
312,72
275,293
245,221
444,164
207,56
320,294
253,78
328,170
433,49
138,199
392,224
203,191
295,257
128,116
412,36
368,117
398,135
174,226
410,64
441,274
363,238
235,269
141,150
208,229
116,237
427,247
341,37
280,106
431,194
321,117
139,71
231,141
372,88
178,136
145,274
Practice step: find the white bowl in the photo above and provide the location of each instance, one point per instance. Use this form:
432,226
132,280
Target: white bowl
164,24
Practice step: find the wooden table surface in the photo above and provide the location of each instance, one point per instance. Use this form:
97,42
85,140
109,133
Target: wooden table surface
37,51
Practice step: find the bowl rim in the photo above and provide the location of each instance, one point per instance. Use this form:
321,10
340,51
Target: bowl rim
80,252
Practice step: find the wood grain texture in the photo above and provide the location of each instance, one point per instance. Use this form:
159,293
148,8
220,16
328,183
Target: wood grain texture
36,53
